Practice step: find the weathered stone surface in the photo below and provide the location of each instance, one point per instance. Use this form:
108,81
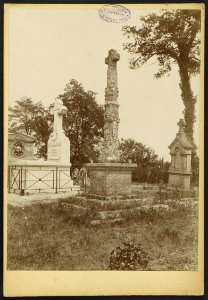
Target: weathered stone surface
58,143
121,213
180,150
21,147
110,178
27,175
110,144
103,205
74,210
112,221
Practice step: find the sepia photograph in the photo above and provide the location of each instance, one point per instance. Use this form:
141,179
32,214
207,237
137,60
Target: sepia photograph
104,140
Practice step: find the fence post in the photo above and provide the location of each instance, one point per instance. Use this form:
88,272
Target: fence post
21,189
21,178
56,180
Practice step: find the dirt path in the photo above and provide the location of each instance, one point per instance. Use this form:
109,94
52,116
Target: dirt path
17,200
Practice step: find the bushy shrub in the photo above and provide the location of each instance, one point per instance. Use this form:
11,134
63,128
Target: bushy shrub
129,257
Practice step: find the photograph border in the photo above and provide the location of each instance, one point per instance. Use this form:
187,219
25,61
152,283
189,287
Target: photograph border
82,283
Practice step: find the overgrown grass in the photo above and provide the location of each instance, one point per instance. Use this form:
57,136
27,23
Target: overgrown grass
43,237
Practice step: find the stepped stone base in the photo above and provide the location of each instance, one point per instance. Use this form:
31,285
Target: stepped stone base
97,210
110,178
102,211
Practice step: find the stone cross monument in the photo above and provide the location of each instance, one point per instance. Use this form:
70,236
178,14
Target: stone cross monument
181,124
111,118
58,143
50,176
59,110
110,177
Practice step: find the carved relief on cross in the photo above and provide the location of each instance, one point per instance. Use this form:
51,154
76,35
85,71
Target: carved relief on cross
111,61
181,125
58,111
112,58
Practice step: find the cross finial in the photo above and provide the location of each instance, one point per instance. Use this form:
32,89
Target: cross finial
181,125
58,107
112,58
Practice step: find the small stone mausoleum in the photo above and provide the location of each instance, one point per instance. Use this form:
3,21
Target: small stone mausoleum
181,151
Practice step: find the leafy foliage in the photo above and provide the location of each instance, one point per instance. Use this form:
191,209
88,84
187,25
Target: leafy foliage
128,257
130,150
42,128
149,167
195,169
83,124
173,37
22,115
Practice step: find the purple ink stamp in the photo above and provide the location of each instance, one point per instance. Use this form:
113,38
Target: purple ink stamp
114,13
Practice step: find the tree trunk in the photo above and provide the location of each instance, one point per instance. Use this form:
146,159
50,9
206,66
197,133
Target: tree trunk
189,100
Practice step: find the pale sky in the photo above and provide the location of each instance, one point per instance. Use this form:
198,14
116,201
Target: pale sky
50,46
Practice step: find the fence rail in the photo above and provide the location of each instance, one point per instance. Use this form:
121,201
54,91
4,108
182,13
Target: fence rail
39,179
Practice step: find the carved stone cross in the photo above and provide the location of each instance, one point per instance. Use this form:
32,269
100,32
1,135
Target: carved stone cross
110,144
112,58
58,111
181,125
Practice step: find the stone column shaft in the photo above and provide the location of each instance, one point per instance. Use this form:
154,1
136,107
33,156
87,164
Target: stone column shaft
111,118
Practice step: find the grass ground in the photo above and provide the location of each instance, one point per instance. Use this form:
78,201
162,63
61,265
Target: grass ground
43,237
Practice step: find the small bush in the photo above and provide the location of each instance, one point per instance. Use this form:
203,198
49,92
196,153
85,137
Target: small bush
129,257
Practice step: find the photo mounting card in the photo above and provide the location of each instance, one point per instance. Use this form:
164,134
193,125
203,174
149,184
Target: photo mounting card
103,149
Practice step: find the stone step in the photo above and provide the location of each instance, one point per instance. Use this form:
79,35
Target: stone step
80,210
103,205
98,197
112,221
114,204
76,200
115,214
104,210
74,210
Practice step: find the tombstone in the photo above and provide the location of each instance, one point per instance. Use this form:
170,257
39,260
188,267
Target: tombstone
109,177
20,147
181,151
27,174
58,143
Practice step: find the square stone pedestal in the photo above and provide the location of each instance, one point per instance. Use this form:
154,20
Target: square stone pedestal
110,179
179,179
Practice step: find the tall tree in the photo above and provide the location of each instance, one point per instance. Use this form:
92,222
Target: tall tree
22,115
42,130
135,152
32,119
172,36
83,123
